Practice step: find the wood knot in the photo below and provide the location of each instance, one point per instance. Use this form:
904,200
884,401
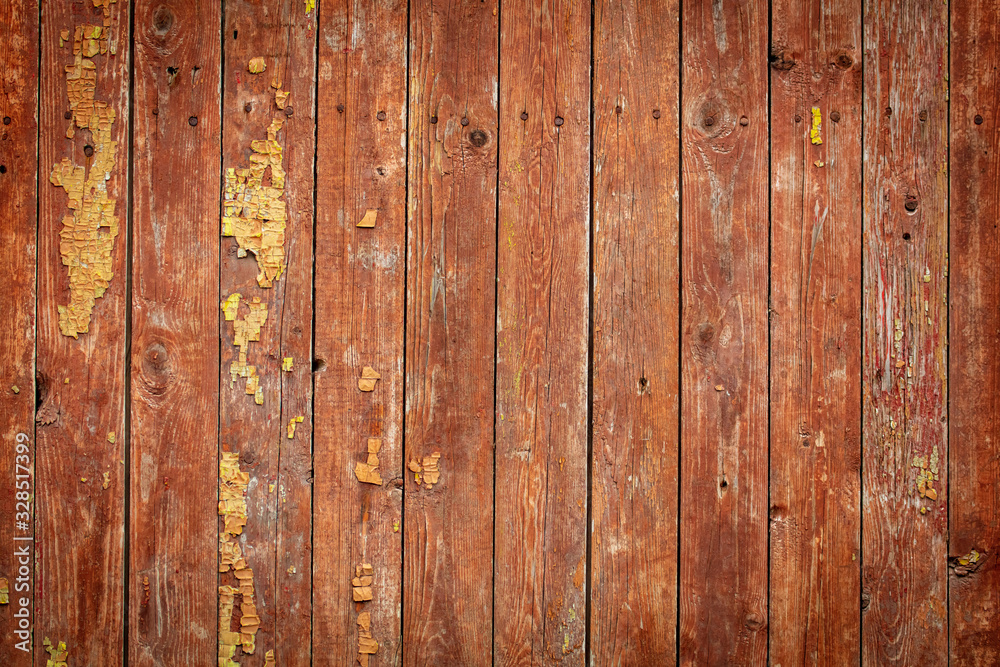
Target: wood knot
782,61
844,61
163,20
753,622
706,332
155,370
478,138
910,203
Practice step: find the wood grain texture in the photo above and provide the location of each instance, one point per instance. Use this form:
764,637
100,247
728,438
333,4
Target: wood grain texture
174,466
905,330
636,400
815,482
277,538
451,335
543,261
18,240
80,531
360,307
723,564
974,320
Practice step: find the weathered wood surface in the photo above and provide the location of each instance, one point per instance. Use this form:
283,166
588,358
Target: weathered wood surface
724,260
360,279
277,536
904,369
974,320
543,262
636,282
80,478
686,369
173,465
815,483
451,333
18,220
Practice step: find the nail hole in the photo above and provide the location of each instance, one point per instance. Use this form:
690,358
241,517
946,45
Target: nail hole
340,108
380,115
618,109
724,483
3,169
911,204
192,121
805,442
888,111
906,236
235,33
68,115
248,107
6,120
559,121
319,365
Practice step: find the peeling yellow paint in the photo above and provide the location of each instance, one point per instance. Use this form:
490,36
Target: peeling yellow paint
245,331
368,379
291,426
233,484
310,5
256,65
4,591
269,659
111,437
255,207
927,474
428,468
58,655
107,480
371,215
815,134
15,389
286,364
367,472
87,239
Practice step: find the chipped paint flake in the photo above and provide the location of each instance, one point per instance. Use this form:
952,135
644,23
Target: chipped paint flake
233,484
58,654
310,5
815,132
367,471
927,474
87,239
4,591
256,65
368,379
371,215
112,437
106,480
255,207
287,364
291,425
427,471
245,331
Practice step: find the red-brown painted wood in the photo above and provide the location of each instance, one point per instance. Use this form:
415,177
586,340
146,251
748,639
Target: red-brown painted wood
904,371
543,262
174,468
360,305
815,484
18,220
636,400
451,263
724,181
80,531
974,320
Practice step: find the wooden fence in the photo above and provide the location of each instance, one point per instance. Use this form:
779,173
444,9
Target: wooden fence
466,332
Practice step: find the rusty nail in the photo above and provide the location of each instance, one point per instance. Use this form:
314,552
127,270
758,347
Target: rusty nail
656,113
192,121
156,111
289,111
434,120
465,121
979,119
798,118
380,115
618,109
710,121
835,116
6,120
248,107
88,150
559,121
744,121
340,108
524,115
68,115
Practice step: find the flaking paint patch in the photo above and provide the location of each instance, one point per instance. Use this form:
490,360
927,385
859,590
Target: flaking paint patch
87,239
4,591
815,132
255,206
233,484
367,471
245,331
364,576
58,654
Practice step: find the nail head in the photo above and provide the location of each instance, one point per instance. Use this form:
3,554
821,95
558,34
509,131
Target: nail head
979,119
524,115
559,121
744,121
6,120
380,115
192,121
88,150
248,107
835,116
434,120
68,115
289,111
656,113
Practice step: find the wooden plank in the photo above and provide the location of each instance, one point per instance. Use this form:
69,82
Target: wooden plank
815,334
974,320
18,220
174,466
451,336
636,323
724,260
905,516
276,539
82,337
360,283
543,263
